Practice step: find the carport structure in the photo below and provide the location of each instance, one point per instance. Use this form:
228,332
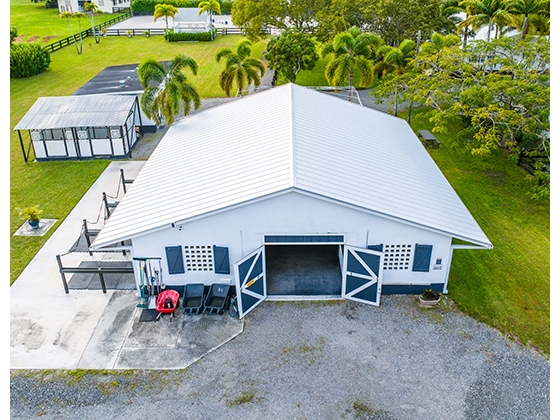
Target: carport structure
314,197
80,127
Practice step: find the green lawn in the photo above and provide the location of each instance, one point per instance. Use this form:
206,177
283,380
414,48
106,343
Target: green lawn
35,23
507,287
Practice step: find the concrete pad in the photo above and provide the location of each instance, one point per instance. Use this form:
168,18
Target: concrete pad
88,329
49,328
44,226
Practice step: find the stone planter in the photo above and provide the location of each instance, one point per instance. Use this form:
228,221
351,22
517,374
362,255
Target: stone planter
427,303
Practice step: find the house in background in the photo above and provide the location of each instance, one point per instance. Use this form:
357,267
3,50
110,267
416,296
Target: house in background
107,6
291,193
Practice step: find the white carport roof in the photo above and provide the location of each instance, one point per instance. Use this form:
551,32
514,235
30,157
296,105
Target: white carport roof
285,139
77,111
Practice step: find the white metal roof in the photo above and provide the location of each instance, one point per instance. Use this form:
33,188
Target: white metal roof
287,138
77,111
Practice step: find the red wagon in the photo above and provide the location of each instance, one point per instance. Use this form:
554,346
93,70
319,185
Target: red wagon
166,303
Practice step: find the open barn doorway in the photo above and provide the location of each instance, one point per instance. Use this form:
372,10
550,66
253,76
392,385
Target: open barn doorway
303,270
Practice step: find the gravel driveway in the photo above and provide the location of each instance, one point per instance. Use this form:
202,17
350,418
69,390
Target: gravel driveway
320,360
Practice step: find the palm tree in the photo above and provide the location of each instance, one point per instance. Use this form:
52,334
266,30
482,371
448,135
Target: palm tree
91,9
166,89
395,60
489,12
438,43
240,68
209,6
77,15
165,11
526,8
350,50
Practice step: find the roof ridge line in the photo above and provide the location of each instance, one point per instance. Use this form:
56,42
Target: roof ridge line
292,137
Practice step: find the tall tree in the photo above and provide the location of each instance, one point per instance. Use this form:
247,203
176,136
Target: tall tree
240,68
92,9
394,62
77,15
492,13
397,20
291,52
438,43
167,92
526,8
209,6
165,11
256,17
499,90
350,50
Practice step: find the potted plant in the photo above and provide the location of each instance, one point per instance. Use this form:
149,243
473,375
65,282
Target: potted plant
429,298
32,215
147,33
129,33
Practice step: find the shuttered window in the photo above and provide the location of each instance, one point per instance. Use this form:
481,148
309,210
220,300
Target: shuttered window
174,259
422,257
221,260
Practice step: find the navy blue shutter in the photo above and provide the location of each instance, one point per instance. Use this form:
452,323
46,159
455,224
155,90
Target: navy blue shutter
174,259
422,257
376,247
221,260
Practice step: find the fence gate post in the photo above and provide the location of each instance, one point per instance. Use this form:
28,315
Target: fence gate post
64,282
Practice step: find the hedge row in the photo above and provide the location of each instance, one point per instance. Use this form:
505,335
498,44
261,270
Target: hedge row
28,59
190,36
146,7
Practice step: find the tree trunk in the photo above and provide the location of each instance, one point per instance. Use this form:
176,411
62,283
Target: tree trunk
525,27
396,104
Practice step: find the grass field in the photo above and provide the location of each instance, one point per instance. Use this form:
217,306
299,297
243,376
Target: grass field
507,287
24,14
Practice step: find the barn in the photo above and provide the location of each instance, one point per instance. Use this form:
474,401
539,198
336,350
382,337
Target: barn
80,127
292,193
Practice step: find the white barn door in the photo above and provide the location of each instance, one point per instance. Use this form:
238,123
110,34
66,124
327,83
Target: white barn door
361,275
250,281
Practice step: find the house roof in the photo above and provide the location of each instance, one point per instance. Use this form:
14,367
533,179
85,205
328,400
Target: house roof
77,111
285,139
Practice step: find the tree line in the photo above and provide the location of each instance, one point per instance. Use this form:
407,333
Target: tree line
497,88
392,20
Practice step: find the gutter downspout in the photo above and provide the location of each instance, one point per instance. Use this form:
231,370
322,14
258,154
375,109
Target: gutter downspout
451,249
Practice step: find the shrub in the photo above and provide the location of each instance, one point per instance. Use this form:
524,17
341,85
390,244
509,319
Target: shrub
172,36
13,34
146,7
28,60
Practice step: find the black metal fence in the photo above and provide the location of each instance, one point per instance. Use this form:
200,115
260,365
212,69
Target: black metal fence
57,45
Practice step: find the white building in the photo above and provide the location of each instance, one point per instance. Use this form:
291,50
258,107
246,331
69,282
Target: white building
291,192
80,127
106,6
